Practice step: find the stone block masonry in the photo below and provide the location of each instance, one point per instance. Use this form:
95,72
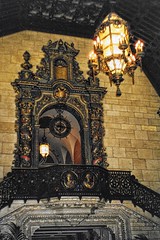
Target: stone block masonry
132,126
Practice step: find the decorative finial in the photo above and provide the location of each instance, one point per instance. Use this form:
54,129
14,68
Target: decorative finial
26,73
26,65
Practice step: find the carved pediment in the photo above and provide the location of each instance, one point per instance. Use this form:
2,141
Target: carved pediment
59,63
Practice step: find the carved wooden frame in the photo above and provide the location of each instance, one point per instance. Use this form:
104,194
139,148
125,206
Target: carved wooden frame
61,86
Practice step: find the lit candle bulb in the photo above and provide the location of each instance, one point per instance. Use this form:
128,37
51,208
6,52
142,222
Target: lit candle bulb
131,59
92,57
122,39
98,40
139,46
95,45
122,42
98,43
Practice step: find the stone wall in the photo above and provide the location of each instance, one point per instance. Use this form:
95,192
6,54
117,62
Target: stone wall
132,126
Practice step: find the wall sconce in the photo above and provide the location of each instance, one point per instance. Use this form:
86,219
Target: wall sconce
44,147
112,52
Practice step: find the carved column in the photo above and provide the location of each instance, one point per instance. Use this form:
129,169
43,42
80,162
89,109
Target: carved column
36,146
24,88
26,109
87,149
96,133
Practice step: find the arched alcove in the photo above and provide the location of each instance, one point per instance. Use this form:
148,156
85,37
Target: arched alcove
64,133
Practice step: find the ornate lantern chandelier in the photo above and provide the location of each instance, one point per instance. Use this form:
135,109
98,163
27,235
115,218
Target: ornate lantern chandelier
112,52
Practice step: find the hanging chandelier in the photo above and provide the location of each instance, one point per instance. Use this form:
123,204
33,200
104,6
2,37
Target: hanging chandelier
112,53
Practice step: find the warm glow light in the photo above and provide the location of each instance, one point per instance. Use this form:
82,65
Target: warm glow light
44,149
98,40
131,59
92,56
123,42
114,57
122,38
117,66
98,44
139,46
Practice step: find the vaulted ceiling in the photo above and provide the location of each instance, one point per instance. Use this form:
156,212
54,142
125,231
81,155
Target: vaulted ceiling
82,17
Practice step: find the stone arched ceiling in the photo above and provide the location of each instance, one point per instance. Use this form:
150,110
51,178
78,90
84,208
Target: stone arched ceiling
81,18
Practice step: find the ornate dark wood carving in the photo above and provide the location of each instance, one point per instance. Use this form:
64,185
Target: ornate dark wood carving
57,83
77,180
